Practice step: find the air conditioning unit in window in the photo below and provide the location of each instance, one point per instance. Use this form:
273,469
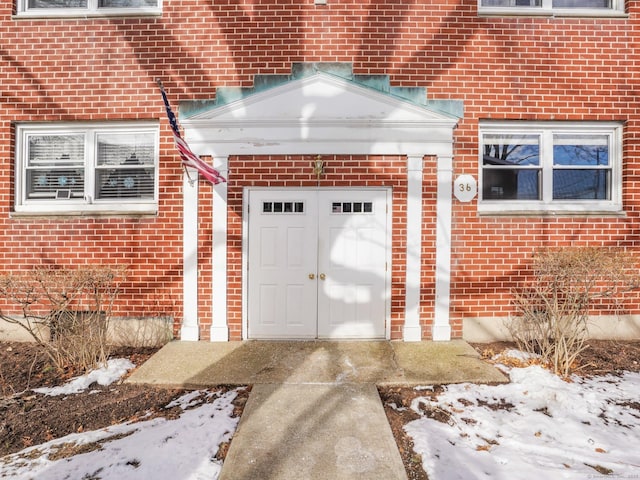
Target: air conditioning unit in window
63,194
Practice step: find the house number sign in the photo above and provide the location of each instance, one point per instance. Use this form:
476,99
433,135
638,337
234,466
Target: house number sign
465,188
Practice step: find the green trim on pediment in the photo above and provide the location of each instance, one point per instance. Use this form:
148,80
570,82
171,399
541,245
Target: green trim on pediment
343,70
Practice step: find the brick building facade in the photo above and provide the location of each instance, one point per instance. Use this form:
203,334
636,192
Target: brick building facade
394,97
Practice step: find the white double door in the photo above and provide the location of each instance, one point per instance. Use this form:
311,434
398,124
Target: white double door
317,263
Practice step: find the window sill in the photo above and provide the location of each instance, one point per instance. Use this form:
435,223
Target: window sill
71,13
84,210
537,12
501,210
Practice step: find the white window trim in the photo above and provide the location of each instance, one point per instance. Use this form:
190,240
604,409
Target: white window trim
542,207
546,9
87,205
91,10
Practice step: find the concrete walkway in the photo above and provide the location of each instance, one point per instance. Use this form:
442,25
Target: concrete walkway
314,410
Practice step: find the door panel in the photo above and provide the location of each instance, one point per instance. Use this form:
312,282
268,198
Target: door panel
282,253
352,264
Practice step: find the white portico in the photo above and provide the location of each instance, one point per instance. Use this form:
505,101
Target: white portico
322,114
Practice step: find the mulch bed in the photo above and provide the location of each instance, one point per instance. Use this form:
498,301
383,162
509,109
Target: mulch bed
28,418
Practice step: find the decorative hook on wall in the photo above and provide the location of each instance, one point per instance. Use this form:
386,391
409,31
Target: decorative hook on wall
318,166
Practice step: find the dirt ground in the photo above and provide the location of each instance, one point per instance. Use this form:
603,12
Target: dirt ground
28,418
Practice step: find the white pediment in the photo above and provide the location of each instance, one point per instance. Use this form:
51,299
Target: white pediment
321,113
321,97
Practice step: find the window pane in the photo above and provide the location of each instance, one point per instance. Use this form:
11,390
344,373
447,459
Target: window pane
581,185
57,3
511,184
125,165
59,183
125,183
127,3
55,167
586,150
120,149
511,150
55,150
581,3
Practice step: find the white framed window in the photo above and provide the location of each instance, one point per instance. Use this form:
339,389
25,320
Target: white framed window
585,8
85,8
87,168
550,167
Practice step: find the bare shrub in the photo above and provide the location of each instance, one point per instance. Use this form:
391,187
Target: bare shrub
552,309
66,311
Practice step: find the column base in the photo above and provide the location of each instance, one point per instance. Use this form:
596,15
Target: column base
219,334
441,333
412,334
189,333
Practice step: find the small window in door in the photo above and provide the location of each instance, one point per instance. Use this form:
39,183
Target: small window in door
352,207
282,207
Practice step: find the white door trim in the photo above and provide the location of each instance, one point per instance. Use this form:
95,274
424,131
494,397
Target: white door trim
246,192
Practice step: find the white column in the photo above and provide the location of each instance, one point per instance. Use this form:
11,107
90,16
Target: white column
412,331
189,329
219,327
441,325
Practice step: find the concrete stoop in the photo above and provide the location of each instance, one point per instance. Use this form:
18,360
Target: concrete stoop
314,412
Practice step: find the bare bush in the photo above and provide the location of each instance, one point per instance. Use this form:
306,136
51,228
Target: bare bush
552,309
66,311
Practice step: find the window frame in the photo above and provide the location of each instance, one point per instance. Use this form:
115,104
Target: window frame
546,9
546,131
91,10
88,204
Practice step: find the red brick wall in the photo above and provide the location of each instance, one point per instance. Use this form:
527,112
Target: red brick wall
503,68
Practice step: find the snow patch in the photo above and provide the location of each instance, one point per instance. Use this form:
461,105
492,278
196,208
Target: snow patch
183,448
113,371
537,423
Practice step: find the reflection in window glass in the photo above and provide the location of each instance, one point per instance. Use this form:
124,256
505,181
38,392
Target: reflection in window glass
574,150
581,185
511,149
550,166
511,184
510,167
580,150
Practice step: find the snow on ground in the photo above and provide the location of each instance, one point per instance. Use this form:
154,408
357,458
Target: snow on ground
536,426
178,449
105,375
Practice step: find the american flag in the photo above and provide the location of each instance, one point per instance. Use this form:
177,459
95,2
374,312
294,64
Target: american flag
189,159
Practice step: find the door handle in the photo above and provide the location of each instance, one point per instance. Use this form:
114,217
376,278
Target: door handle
312,276
322,276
